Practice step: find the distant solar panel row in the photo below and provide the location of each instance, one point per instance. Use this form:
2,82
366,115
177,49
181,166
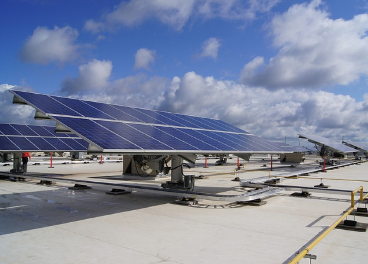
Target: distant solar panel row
15,137
114,128
357,145
338,147
54,105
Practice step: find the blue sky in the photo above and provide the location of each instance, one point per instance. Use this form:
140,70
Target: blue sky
274,68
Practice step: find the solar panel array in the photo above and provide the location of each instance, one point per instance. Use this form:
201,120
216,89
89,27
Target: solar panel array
292,148
116,128
357,145
15,137
338,147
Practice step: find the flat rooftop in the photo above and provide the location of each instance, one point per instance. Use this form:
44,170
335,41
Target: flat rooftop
54,224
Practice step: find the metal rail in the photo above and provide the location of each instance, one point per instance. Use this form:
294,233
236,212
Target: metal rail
238,171
308,248
243,197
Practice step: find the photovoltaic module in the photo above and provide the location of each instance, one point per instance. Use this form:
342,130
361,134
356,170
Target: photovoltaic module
123,129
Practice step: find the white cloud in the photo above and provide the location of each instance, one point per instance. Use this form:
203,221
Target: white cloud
176,13
144,58
314,50
234,9
270,114
50,45
210,48
18,114
93,83
92,77
4,87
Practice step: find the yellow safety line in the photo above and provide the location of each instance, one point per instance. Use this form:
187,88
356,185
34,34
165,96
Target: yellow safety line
308,248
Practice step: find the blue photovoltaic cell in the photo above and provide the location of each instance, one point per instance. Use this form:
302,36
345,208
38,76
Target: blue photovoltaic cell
218,145
58,144
41,143
213,141
165,138
254,141
6,144
23,143
82,108
76,107
227,127
81,142
126,128
111,111
224,137
203,123
37,138
46,104
264,144
198,143
75,143
194,122
134,136
179,120
42,131
250,142
101,136
136,114
161,118
24,130
51,130
7,129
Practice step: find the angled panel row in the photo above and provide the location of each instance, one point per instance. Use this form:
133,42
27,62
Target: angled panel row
55,105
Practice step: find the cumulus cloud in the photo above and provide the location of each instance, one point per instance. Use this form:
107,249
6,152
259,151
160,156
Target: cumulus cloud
272,114
93,83
210,48
176,13
234,9
50,45
314,50
19,114
92,77
144,58
260,111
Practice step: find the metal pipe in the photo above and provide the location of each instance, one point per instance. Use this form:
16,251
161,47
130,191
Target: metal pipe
51,161
269,173
242,197
319,238
271,162
328,230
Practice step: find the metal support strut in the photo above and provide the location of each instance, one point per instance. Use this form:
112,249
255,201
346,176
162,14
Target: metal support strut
178,179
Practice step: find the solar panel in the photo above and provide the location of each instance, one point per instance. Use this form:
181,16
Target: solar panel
322,141
357,145
16,137
116,128
292,148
